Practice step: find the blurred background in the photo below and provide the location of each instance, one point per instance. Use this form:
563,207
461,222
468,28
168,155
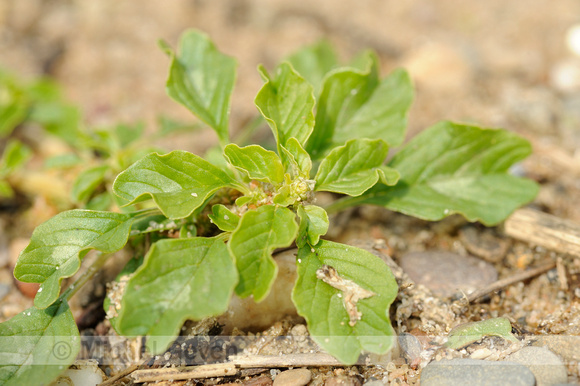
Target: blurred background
497,63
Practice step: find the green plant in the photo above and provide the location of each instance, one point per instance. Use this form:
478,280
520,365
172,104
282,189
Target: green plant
333,129
92,157
37,102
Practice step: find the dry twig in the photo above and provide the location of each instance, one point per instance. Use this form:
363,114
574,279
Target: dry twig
195,372
122,374
290,360
235,366
544,229
497,285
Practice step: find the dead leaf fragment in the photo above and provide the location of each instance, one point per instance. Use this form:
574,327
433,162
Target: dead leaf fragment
351,292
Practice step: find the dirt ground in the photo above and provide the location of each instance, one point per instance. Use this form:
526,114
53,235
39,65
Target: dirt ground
493,63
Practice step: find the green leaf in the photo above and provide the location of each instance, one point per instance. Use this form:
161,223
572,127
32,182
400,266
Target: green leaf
62,161
202,79
355,167
287,104
178,182
314,62
296,160
260,164
313,224
86,183
127,134
453,168
37,345
58,244
359,282
215,156
364,59
165,47
355,104
59,119
44,90
468,333
6,190
15,155
102,201
224,218
13,104
259,232
180,279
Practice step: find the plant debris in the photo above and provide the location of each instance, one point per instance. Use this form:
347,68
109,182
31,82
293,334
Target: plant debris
351,291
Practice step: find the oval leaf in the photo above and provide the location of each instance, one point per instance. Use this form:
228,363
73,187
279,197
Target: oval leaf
345,293
37,345
355,167
313,224
224,218
14,104
180,279
453,168
15,155
87,182
178,182
287,103
56,247
202,79
260,164
296,160
468,333
355,104
259,232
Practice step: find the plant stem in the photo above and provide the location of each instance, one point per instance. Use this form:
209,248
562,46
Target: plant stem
86,276
343,203
146,212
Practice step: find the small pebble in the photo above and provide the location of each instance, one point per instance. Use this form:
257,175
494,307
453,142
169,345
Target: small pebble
374,382
86,372
342,380
476,372
446,273
299,330
410,347
481,353
263,380
566,346
483,243
296,377
544,364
